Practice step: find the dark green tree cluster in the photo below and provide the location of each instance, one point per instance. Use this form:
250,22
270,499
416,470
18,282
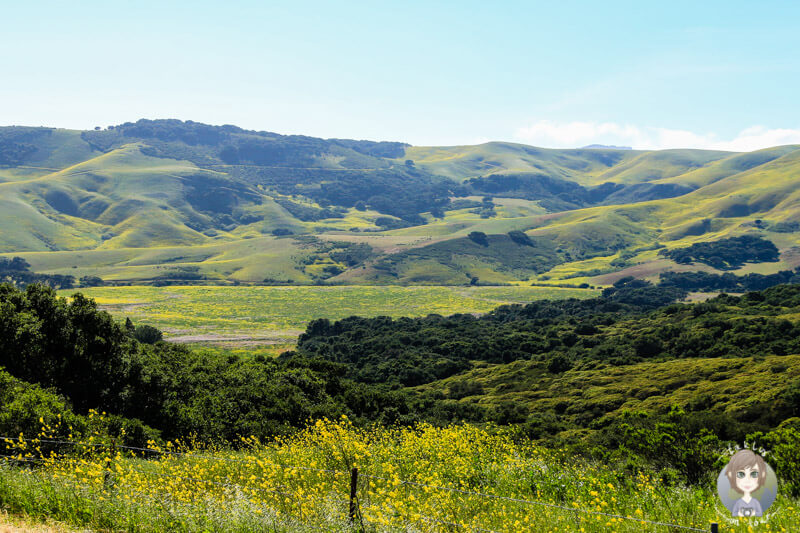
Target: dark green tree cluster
620,328
725,254
309,213
729,282
82,353
16,271
642,293
18,143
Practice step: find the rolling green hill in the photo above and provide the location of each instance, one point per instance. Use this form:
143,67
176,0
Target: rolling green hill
174,201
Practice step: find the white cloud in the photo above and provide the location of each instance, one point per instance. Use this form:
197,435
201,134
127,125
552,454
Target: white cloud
575,134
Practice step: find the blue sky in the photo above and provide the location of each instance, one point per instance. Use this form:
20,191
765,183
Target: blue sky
653,75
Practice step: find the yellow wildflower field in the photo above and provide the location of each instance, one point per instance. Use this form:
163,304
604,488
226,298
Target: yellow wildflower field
421,479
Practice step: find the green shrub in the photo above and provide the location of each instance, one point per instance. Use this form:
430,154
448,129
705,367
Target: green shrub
147,334
783,453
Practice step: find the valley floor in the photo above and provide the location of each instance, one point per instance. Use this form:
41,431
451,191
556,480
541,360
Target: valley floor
269,318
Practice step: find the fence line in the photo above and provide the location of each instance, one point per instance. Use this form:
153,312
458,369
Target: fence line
22,459
170,452
445,522
243,488
533,502
355,474
157,501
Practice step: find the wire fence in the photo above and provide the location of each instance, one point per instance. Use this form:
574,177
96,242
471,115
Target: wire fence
355,511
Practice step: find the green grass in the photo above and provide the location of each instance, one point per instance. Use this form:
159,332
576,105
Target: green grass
276,315
463,162
651,166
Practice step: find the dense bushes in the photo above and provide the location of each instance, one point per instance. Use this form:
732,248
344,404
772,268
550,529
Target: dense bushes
17,143
725,254
681,445
621,328
95,363
16,271
642,293
27,409
783,445
703,281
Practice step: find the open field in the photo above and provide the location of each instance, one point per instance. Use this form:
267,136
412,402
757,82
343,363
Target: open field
251,316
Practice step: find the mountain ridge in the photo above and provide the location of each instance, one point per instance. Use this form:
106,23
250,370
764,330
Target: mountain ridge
152,185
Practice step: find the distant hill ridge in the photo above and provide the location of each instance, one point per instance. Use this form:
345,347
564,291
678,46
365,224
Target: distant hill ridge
608,147
184,201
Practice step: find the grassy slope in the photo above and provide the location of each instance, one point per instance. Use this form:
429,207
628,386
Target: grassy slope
462,162
652,166
731,204
139,218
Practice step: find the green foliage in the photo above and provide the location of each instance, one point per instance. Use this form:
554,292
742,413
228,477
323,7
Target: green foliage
704,281
219,187
642,293
391,223
351,254
363,368
307,212
147,334
559,194
16,271
25,408
15,263
29,410
478,237
520,237
783,445
560,333
86,356
558,364
725,254
18,143
680,445
456,258
91,281
281,162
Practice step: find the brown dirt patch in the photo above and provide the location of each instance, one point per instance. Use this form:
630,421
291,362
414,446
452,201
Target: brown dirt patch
235,340
19,524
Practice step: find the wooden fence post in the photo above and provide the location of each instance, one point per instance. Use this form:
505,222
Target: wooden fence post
107,479
353,493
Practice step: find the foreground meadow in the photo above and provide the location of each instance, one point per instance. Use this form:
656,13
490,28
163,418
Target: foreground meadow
457,478
248,316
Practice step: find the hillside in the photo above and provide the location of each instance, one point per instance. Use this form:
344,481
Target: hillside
167,201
